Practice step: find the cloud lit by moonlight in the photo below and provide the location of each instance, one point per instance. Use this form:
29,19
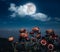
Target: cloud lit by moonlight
27,9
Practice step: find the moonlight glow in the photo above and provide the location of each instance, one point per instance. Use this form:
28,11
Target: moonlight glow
30,8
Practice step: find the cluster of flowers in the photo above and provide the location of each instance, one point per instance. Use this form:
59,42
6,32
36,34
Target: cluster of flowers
34,41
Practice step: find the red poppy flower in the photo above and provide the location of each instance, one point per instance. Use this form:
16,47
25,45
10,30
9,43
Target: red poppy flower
43,42
50,46
50,31
11,38
24,35
35,29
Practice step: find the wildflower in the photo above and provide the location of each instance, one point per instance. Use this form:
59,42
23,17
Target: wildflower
50,46
11,38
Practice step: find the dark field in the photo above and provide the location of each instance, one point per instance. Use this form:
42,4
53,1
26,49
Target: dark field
33,41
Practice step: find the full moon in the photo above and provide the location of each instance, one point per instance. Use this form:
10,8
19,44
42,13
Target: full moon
30,8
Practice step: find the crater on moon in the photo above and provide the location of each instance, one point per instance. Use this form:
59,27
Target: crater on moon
30,8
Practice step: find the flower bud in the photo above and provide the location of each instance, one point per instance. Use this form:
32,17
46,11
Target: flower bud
50,32
11,39
38,36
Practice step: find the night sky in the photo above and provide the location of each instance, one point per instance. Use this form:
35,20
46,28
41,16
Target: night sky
49,7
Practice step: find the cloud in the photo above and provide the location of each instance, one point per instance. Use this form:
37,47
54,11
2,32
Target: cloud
57,19
13,15
13,7
22,11
41,16
17,10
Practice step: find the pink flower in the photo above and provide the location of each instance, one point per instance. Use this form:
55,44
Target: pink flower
50,46
35,29
11,38
43,42
24,35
